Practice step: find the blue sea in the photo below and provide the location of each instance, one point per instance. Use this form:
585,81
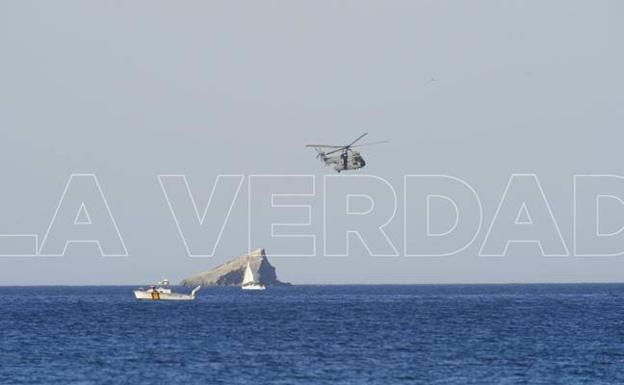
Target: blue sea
421,334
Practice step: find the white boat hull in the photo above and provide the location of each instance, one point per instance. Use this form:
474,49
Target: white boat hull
254,286
157,295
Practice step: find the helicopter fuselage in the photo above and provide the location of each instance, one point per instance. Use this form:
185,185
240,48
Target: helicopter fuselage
342,158
353,161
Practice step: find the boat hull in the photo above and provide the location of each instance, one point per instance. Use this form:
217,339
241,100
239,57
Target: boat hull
168,295
253,287
155,296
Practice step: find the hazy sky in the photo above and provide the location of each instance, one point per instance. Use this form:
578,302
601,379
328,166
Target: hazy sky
129,90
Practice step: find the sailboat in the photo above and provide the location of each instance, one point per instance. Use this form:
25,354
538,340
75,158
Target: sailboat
249,282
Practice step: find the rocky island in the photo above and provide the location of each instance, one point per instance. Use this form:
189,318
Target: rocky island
231,273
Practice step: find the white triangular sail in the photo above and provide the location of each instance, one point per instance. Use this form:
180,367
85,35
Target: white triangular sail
248,277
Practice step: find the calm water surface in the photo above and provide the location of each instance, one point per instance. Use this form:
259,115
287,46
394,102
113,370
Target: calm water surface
450,334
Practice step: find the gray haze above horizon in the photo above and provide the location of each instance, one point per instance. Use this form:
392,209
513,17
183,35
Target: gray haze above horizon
129,90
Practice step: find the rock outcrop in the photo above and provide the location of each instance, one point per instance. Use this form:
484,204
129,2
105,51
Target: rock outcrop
231,273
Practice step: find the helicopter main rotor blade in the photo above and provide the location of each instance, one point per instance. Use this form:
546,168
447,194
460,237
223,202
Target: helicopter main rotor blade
323,146
342,148
371,143
359,137
339,149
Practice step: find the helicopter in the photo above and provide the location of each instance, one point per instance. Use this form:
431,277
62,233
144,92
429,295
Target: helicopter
345,158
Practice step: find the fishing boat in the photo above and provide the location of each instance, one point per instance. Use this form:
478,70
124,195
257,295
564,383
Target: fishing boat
249,282
162,292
